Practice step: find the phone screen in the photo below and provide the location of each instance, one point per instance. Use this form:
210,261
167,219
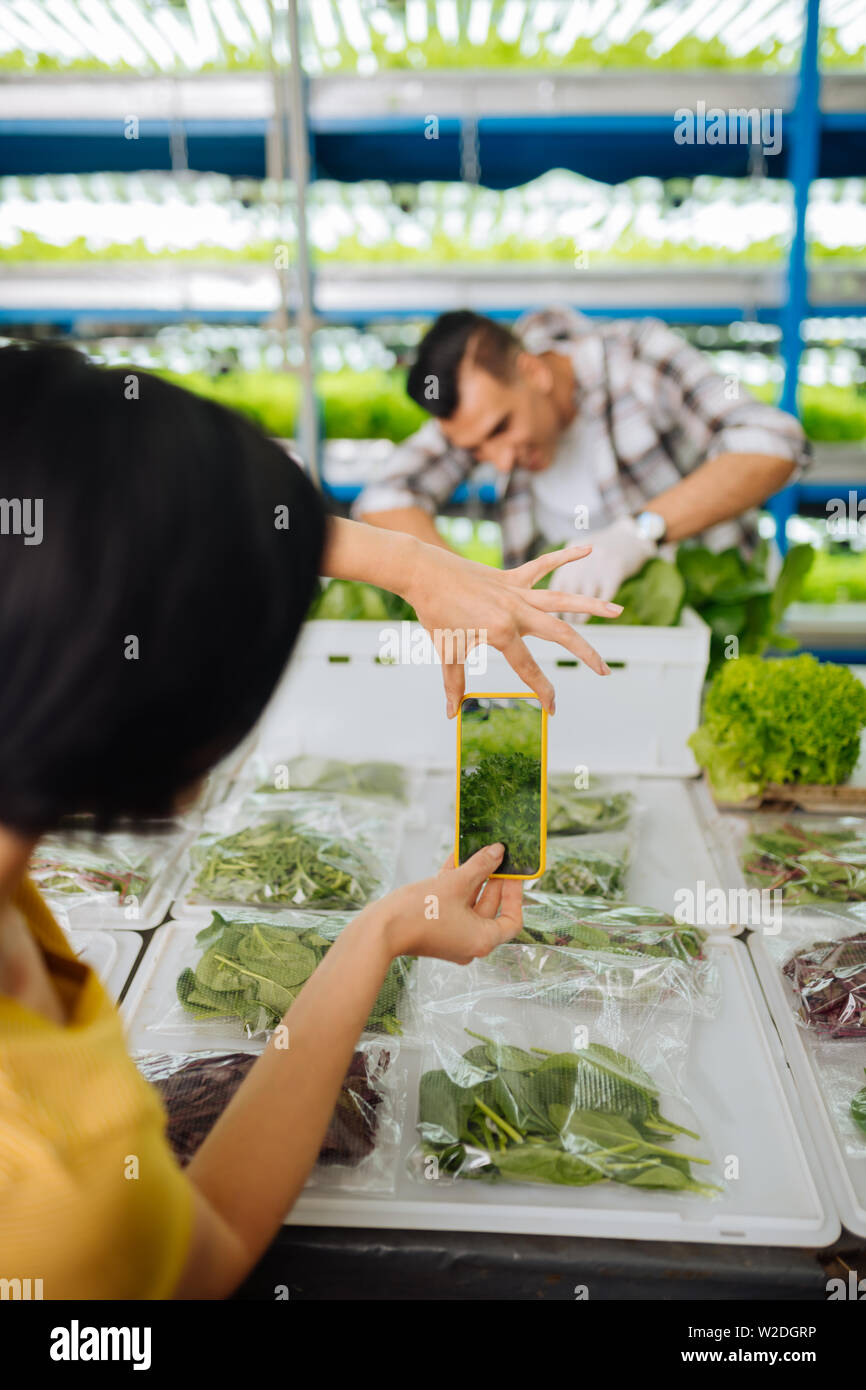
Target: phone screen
502,781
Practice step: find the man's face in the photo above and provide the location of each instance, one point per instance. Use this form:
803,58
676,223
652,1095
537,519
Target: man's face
511,424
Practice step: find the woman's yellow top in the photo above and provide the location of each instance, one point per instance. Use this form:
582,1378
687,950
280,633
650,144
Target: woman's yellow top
92,1201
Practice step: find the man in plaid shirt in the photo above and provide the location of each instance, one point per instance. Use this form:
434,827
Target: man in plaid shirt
617,433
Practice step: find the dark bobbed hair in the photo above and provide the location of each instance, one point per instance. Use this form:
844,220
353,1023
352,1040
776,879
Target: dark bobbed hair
491,345
159,524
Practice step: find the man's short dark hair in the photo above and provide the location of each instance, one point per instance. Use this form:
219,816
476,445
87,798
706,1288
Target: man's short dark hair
142,634
432,380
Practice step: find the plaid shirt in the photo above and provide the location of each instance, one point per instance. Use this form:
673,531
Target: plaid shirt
653,408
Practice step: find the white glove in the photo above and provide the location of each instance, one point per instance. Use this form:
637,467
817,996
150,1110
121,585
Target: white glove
618,552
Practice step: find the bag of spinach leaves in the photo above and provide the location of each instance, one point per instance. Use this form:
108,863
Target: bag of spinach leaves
515,1090
520,1102
296,850
252,970
585,866
307,773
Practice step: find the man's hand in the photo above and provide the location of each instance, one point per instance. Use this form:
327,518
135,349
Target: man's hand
618,552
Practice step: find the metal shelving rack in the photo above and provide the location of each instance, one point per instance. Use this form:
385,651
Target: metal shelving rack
498,128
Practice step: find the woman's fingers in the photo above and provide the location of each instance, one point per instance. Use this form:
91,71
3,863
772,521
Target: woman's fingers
510,918
552,601
491,895
454,680
479,867
524,665
536,569
556,630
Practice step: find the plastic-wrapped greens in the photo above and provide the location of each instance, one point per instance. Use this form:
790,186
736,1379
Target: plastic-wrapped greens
591,866
307,773
807,860
576,810
514,1091
93,879
248,969
361,1147
296,850
596,924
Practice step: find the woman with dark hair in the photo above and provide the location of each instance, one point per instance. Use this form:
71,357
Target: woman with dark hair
157,558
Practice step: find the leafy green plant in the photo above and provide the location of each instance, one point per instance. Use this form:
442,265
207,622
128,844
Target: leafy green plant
275,862
91,866
253,971
858,1109
735,597
569,1118
653,597
807,865
779,720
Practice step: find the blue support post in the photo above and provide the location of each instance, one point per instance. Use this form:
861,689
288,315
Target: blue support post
804,135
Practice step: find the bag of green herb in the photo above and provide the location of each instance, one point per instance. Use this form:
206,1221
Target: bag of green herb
590,866
808,862
237,976
514,1091
120,879
392,781
301,849
607,803
361,1148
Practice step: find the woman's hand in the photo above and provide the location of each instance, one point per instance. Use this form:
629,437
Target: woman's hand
462,604
453,916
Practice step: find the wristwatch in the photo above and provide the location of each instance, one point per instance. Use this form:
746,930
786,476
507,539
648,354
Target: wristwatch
651,526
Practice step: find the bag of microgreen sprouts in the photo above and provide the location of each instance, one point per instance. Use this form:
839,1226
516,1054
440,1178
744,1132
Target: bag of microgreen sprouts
591,866
805,863
122,879
237,977
513,1090
360,1151
301,849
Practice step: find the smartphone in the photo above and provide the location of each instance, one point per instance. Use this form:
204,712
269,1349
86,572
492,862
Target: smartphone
502,781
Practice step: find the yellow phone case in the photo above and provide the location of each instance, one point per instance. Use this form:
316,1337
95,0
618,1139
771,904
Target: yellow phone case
506,695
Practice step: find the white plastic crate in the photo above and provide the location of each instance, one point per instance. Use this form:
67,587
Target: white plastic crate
341,698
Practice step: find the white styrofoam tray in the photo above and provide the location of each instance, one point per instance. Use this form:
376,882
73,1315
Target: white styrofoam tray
111,954
845,1173
342,689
